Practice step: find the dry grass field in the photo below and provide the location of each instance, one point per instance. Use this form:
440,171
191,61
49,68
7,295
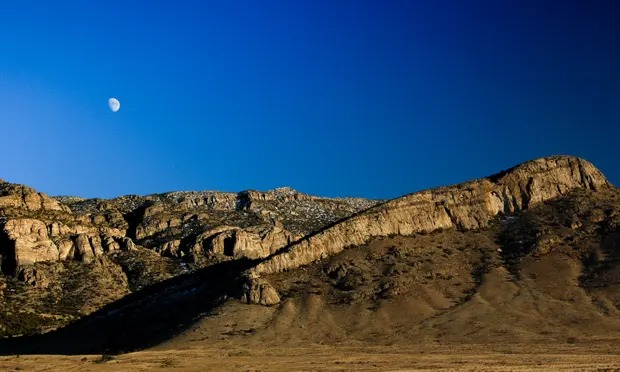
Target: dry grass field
226,357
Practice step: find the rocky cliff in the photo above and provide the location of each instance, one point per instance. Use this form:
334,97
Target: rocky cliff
282,224
470,205
197,227
67,256
64,257
14,196
28,240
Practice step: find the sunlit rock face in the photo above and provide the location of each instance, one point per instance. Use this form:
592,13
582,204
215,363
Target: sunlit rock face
199,228
470,205
69,256
202,226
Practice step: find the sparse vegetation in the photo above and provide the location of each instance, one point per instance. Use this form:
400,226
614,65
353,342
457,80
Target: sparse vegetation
559,257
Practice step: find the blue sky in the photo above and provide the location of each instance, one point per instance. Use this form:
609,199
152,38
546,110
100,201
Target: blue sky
334,98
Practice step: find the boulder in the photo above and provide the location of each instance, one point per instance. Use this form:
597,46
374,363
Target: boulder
260,292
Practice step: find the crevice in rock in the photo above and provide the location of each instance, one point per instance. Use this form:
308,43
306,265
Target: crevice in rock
453,218
526,196
229,246
8,263
133,219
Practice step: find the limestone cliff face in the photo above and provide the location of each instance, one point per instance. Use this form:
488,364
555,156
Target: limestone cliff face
243,243
25,241
35,228
272,224
210,199
232,242
23,197
251,224
248,198
470,205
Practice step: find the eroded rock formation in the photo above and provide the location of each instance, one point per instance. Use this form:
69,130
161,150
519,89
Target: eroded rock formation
469,205
27,241
259,292
256,242
71,255
194,226
26,198
283,224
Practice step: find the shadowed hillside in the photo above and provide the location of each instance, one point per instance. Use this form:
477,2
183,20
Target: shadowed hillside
529,255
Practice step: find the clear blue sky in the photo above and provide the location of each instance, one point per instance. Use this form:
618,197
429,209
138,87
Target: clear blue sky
335,98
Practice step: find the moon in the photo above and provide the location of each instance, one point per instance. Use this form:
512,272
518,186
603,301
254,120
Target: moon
114,104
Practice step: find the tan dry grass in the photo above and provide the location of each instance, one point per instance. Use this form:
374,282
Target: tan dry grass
519,357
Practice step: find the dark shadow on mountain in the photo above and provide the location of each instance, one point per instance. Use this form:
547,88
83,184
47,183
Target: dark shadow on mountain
142,319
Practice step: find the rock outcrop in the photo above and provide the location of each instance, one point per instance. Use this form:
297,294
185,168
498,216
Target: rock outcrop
209,199
25,241
284,226
250,224
236,242
470,205
194,226
25,198
259,292
71,256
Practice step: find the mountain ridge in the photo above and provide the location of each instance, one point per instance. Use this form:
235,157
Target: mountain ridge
513,190
261,253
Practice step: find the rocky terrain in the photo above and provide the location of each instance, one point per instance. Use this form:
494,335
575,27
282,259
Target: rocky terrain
65,257
529,255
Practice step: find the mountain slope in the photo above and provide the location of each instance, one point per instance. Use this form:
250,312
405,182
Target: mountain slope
466,206
544,275
529,255
63,258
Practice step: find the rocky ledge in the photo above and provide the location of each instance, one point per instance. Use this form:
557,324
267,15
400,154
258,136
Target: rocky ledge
197,228
282,228
470,205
